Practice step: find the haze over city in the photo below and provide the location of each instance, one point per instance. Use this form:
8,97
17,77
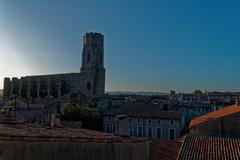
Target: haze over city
149,45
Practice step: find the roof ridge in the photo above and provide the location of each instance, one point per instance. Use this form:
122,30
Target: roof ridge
214,137
180,150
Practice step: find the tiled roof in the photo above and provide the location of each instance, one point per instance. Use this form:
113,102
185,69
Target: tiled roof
164,149
22,132
209,148
28,132
159,149
143,110
214,115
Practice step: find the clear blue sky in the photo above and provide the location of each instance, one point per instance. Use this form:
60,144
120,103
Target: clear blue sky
150,45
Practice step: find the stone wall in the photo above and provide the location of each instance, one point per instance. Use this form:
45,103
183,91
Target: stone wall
38,116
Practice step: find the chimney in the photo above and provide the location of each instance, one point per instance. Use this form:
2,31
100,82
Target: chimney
214,106
121,125
53,116
237,101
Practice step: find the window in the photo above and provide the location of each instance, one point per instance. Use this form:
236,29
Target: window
108,128
113,128
88,86
88,57
171,121
109,118
130,120
149,131
171,134
96,50
158,121
135,130
159,133
130,130
139,120
139,131
149,121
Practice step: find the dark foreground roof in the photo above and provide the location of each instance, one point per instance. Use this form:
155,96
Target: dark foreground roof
209,148
164,149
159,149
143,110
24,132
192,147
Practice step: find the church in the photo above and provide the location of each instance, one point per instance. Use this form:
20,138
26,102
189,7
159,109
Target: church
90,81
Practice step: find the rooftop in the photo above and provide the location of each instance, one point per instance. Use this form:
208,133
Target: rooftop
204,147
164,149
51,75
21,132
214,115
159,149
143,110
191,147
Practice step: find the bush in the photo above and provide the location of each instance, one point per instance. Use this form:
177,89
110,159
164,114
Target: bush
74,112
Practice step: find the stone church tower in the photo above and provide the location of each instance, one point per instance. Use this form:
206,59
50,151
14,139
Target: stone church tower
93,63
90,81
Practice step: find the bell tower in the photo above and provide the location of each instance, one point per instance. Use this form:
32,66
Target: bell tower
93,63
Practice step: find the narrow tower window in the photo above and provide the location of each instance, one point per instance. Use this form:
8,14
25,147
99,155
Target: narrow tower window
88,57
88,86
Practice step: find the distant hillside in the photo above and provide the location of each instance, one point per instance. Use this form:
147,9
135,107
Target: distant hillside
136,93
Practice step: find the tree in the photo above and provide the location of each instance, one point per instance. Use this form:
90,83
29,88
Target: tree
72,111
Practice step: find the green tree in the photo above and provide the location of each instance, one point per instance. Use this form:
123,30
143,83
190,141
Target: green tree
71,111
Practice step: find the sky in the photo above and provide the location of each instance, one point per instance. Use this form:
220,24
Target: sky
150,45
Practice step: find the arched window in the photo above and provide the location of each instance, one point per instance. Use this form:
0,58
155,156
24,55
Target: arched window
88,57
88,86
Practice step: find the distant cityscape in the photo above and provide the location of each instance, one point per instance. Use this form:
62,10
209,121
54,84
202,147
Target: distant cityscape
70,115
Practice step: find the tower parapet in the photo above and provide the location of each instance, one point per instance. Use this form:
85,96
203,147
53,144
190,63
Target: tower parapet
93,52
93,39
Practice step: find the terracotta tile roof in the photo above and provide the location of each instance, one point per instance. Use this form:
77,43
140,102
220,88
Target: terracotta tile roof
143,110
164,149
27,133
214,115
204,148
22,130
